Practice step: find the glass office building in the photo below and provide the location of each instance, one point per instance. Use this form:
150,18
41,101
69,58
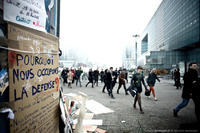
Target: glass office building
172,35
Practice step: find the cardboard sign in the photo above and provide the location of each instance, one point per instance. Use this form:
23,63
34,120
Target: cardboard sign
33,81
27,13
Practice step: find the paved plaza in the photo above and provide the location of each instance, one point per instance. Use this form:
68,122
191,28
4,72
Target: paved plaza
157,117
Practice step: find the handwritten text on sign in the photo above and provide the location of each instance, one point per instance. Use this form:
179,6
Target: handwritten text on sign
34,61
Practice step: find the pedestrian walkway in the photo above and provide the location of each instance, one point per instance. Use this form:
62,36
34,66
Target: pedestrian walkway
157,117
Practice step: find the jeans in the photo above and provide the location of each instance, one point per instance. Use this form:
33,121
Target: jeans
78,80
182,104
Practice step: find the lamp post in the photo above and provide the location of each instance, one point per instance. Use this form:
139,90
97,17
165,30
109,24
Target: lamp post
136,36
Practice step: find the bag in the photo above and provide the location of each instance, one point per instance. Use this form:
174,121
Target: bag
147,92
132,90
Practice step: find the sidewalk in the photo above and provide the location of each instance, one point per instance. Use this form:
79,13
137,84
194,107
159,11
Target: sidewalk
158,114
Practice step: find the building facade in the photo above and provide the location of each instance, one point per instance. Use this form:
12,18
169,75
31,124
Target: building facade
172,35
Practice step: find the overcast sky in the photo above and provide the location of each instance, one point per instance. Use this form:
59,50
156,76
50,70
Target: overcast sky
101,29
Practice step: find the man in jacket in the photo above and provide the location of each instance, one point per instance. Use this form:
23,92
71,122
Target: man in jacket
96,76
64,75
177,78
122,81
109,82
114,77
78,75
190,90
90,78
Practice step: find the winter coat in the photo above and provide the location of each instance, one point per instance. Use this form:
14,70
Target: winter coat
91,76
78,73
137,81
177,75
96,74
189,86
122,77
108,77
64,74
70,77
151,80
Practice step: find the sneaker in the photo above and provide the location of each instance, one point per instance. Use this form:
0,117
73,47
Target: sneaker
155,99
175,113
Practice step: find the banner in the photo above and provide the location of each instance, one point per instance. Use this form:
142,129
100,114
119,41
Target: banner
29,13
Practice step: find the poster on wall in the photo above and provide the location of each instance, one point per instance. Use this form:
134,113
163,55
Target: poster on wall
29,13
33,81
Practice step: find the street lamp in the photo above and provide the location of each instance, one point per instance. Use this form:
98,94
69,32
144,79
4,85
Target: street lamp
136,36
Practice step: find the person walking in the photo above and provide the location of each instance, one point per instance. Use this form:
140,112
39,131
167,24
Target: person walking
122,81
101,75
137,81
196,92
177,78
151,80
78,76
70,78
114,77
64,75
90,78
190,90
96,76
104,77
126,75
109,82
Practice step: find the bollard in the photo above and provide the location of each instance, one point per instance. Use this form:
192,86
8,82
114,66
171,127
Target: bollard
79,126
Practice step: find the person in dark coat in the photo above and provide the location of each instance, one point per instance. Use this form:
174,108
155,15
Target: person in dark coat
96,76
109,82
105,81
126,76
101,75
151,80
122,81
64,75
78,75
114,77
190,90
177,78
137,81
90,78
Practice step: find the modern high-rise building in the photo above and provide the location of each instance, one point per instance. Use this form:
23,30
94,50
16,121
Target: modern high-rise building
172,35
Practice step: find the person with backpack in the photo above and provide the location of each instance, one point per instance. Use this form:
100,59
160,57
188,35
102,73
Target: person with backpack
151,80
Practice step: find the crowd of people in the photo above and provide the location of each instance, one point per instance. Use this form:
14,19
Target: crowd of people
110,77
69,76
